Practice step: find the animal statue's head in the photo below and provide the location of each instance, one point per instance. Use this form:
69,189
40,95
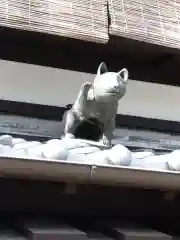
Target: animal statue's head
109,86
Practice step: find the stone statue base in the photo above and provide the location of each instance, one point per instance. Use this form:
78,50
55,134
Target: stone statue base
88,152
89,143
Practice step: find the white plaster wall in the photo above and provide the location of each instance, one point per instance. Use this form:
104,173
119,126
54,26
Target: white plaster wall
50,86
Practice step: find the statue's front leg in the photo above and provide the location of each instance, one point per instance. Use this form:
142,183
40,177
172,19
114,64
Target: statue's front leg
108,132
72,123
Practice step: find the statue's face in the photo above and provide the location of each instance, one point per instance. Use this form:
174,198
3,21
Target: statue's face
109,86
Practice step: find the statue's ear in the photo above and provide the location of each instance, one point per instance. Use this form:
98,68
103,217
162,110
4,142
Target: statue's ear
124,75
102,69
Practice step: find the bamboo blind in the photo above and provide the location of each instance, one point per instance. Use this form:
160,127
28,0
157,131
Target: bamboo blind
81,19
154,21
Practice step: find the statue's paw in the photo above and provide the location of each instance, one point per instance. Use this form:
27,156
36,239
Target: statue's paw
86,86
69,136
105,141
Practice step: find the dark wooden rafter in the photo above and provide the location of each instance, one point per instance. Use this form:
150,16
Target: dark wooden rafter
57,113
144,61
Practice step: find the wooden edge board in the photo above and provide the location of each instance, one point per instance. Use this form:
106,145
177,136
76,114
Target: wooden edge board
56,170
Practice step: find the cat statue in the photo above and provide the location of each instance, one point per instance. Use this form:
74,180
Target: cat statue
99,101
